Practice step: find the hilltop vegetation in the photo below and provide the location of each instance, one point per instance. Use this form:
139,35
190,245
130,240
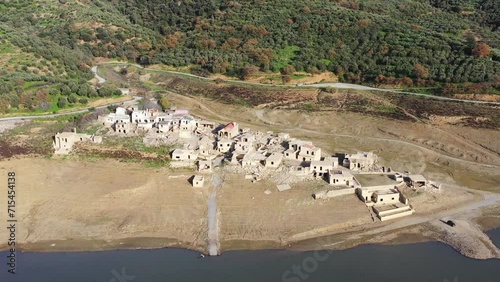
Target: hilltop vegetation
358,40
46,44
41,69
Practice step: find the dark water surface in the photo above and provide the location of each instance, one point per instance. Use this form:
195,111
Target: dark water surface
495,236
413,262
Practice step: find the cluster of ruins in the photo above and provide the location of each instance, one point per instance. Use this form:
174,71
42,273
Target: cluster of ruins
205,145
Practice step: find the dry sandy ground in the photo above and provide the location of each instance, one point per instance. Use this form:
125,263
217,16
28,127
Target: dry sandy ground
247,213
77,205
103,201
9,124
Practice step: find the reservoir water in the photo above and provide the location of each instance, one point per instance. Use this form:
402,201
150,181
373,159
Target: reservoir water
431,261
495,236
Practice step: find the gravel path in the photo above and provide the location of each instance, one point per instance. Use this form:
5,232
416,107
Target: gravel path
99,78
318,85
213,224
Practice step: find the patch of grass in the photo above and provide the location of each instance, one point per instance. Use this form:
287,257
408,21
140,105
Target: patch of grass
285,56
7,48
136,144
244,103
33,84
93,129
309,106
298,76
326,62
128,149
156,163
386,109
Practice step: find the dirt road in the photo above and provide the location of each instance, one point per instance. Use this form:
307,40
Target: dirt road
319,85
99,78
123,104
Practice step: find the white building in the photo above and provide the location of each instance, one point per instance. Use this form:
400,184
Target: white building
361,161
231,130
341,178
225,145
184,155
198,181
274,160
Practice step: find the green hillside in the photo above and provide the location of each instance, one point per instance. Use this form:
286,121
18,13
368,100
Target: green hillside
46,45
46,51
358,40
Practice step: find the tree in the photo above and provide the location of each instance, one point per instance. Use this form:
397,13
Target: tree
289,69
407,81
4,105
420,71
314,70
105,92
73,86
83,90
83,101
62,103
72,99
164,103
481,50
93,93
248,71
65,90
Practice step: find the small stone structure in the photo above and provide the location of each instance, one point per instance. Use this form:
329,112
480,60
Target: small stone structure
361,161
63,142
417,180
198,181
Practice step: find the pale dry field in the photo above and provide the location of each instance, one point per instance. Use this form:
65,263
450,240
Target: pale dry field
103,201
247,213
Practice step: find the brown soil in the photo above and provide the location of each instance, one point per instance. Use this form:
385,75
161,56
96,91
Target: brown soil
381,104
103,203
8,150
480,97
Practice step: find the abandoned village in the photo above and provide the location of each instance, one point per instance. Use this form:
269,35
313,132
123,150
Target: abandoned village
207,146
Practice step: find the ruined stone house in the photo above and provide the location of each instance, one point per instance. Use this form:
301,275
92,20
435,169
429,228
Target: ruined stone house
63,142
231,130
340,178
361,161
184,155
253,159
198,181
274,160
417,180
320,168
225,145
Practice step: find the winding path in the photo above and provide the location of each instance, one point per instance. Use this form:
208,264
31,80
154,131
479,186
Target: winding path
20,118
318,85
99,78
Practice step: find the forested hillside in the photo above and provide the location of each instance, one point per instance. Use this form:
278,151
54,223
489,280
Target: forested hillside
358,40
47,44
44,58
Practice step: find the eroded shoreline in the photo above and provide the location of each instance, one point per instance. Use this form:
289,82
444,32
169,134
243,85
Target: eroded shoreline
415,236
